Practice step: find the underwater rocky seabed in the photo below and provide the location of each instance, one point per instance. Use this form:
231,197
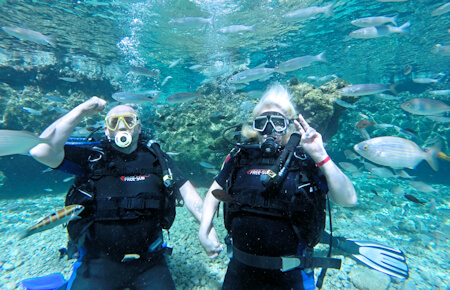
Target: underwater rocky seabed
414,231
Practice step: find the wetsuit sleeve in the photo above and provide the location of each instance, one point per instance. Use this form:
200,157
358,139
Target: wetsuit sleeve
75,160
226,170
178,176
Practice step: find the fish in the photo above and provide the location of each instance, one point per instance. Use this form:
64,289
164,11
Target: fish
378,31
364,90
309,12
189,22
68,79
388,1
172,153
345,104
166,79
250,75
425,107
422,187
374,191
441,10
322,79
56,99
236,29
19,142
181,98
350,155
67,179
383,172
426,80
32,111
440,92
407,70
375,21
443,50
387,96
414,199
142,71
397,152
27,34
175,62
397,190
59,217
135,98
299,62
403,174
439,119
48,189
347,166
207,165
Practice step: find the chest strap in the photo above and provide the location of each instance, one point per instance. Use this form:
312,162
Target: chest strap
285,263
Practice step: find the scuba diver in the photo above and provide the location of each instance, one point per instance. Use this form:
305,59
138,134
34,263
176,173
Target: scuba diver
275,199
129,189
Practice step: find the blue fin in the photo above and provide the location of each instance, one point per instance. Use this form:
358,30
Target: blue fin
49,282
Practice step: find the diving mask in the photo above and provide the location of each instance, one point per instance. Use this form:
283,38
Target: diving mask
276,120
130,120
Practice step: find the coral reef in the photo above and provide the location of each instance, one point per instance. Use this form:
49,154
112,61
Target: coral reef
317,105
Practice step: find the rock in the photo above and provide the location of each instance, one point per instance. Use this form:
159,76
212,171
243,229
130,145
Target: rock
366,279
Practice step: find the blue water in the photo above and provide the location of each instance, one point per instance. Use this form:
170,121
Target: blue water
98,42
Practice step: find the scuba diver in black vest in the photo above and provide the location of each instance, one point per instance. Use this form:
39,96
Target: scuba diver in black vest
128,187
274,195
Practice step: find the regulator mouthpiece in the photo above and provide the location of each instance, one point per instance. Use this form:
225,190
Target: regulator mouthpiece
123,139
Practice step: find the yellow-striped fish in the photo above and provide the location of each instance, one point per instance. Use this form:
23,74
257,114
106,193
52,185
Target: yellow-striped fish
397,152
62,216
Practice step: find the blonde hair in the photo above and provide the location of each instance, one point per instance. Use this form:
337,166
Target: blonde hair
276,99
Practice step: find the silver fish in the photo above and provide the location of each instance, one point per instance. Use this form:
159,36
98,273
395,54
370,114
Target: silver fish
422,106
236,29
188,22
135,98
60,217
299,62
422,187
440,49
375,21
309,12
142,71
378,31
363,90
180,98
397,152
441,10
175,62
440,92
30,35
250,75
166,79
32,111
345,104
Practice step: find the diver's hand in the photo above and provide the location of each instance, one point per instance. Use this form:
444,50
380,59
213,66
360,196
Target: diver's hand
212,246
92,106
311,140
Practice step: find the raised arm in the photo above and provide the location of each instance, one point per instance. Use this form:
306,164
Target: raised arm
210,206
340,188
194,204
52,154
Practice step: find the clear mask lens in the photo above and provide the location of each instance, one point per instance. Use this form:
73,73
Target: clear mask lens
278,123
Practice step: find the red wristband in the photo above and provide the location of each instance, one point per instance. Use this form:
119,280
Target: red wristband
323,161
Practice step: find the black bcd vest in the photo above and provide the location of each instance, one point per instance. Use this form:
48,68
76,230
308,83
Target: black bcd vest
300,199
119,190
